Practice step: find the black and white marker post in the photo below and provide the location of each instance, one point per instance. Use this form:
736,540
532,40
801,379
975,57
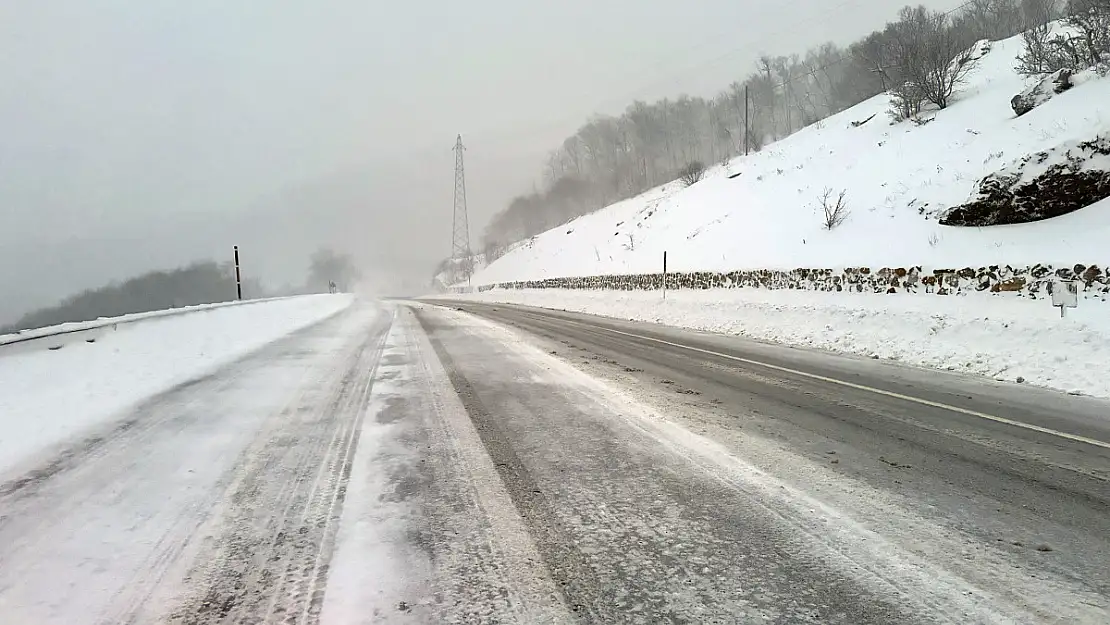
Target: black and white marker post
664,274
238,278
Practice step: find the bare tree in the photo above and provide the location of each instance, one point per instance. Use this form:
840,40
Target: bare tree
933,59
1087,46
835,210
1092,19
990,19
1038,12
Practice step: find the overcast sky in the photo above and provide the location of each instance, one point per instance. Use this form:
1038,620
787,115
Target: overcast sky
144,134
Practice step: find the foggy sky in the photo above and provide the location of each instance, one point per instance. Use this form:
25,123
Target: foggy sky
138,135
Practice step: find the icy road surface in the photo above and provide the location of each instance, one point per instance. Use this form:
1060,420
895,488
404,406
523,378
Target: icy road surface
414,463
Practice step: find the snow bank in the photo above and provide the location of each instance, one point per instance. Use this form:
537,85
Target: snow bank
898,179
49,396
1003,338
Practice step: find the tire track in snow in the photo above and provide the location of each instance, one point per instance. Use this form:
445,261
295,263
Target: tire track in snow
275,571
130,518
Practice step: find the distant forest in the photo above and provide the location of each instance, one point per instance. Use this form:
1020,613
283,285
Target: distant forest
199,283
920,59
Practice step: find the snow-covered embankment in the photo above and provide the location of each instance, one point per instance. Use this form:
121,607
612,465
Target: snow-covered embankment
49,396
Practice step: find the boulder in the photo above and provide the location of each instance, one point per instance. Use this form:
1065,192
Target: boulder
1041,92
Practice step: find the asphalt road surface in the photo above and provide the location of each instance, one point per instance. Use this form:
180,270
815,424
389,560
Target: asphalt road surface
713,479
454,462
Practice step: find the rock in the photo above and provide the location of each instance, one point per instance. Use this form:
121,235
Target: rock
1066,185
1091,275
1013,284
1051,85
1020,380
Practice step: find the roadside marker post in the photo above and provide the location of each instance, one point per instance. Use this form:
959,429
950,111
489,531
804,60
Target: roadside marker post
664,274
238,278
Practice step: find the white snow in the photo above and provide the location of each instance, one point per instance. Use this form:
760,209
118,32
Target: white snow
47,397
999,337
767,217
373,566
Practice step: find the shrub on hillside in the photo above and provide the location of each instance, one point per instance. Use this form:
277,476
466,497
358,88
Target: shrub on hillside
692,173
834,209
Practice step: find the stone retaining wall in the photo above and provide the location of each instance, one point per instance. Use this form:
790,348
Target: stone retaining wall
1027,281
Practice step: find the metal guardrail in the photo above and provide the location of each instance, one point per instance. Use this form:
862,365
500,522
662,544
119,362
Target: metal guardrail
56,337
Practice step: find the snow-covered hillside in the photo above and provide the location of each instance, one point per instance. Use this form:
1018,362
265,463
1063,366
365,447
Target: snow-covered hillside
898,179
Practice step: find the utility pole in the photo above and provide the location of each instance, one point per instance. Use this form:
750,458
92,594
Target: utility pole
238,277
747,126
461,257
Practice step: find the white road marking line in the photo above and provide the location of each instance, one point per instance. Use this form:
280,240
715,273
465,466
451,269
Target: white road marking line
877,391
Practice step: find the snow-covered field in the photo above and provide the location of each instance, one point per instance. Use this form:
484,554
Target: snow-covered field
897,179
49,396
1000,337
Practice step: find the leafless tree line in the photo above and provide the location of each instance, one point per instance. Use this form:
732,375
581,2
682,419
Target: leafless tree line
1086,45
921,58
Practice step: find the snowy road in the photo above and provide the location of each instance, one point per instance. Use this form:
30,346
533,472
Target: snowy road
214,501
666,484
420,464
